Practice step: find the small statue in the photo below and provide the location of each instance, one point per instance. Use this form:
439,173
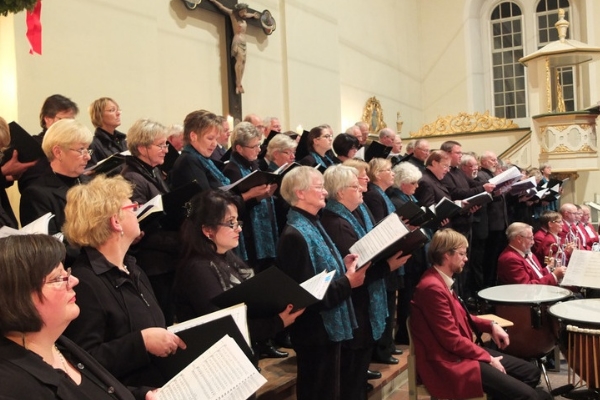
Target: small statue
238,16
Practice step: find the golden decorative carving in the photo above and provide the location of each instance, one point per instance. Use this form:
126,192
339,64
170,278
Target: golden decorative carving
464,122
373,115
564,149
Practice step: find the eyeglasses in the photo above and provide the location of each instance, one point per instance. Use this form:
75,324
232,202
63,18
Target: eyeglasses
527,237
57,282
355,187
326,136
253,147
318,188
233,224
558,221
83,152
133,206
162,146
289,153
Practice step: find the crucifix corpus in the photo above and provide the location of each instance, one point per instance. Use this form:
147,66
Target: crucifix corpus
239,17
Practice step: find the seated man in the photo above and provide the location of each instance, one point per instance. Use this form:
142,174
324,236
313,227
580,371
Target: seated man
517,264
449,363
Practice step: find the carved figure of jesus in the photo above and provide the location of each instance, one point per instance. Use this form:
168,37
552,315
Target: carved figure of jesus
238,16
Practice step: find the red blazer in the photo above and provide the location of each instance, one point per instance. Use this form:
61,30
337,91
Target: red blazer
543,240
446,357
514,268
591,236
579,231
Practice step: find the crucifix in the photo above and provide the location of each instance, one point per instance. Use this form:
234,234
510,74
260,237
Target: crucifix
240,15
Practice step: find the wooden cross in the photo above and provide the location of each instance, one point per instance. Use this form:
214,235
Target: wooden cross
234,99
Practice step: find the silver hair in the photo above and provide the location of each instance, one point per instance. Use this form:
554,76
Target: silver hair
406,173
337,177
243,133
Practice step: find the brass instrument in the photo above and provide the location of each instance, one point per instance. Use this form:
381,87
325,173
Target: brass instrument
556,257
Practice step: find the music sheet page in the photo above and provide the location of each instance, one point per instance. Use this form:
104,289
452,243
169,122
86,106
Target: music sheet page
385,233
221,372
318,284
237,312
583,269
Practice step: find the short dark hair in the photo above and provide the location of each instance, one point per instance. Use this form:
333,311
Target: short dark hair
55,104
549,216
343,143
200,122
205,210
25,261
448,145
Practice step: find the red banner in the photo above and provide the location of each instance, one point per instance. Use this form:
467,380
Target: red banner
34,29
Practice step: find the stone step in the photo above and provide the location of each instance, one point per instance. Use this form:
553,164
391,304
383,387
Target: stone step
281,377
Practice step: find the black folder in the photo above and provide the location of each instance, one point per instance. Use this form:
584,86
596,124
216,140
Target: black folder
255,178
377,150
199,339
410,210
302,149
408,244
266,294
174,210
478,200
107,165
29,149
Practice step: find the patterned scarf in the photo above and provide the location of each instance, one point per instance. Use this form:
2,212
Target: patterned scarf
264,226
339,321
208,164
378,311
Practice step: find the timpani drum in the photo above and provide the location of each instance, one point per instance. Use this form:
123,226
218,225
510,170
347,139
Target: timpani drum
526,306
577,325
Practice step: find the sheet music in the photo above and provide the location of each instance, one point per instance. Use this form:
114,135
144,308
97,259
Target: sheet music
583,269
389,230
237,312
153,205
40,225
318,284
221,372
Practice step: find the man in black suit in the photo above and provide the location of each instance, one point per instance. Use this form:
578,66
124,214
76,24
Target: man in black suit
497,220
419,154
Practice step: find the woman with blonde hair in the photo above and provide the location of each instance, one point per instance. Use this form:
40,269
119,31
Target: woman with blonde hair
121,324
66,144
105,114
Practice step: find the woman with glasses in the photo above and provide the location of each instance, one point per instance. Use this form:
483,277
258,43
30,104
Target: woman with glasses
106,118
346,220
259,240
208,266
547,240
319,142
121,324
66,144
147,142
36,360
305,250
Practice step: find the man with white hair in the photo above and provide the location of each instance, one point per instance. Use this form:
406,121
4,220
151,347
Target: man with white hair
517,265
387,137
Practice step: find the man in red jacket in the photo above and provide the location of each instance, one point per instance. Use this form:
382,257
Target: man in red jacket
449,363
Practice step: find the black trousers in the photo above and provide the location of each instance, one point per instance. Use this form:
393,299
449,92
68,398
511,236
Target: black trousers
353,376
385,345
318,374
518,383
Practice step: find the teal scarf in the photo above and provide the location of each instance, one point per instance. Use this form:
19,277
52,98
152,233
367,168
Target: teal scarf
388,203
378,311
208,164
339,321
264,226
324,161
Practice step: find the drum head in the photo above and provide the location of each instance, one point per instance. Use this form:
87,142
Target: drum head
585,310
528,294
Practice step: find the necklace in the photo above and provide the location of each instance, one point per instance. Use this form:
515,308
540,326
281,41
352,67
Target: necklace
125,269
63,362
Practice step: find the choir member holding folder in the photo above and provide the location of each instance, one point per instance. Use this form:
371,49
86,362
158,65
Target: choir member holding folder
346,219
201,130
7,217
305,250
105,114
36,360
147,143
259,239
121,324
208,266
381,179
281,151
406,182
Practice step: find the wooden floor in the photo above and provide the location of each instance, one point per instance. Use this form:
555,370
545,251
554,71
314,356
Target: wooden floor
281,378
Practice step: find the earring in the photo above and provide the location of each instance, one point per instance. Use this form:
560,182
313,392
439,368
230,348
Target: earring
122,233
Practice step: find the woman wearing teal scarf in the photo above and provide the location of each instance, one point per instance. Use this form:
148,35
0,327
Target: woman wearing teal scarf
346,220
305,250
319,143
258,243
